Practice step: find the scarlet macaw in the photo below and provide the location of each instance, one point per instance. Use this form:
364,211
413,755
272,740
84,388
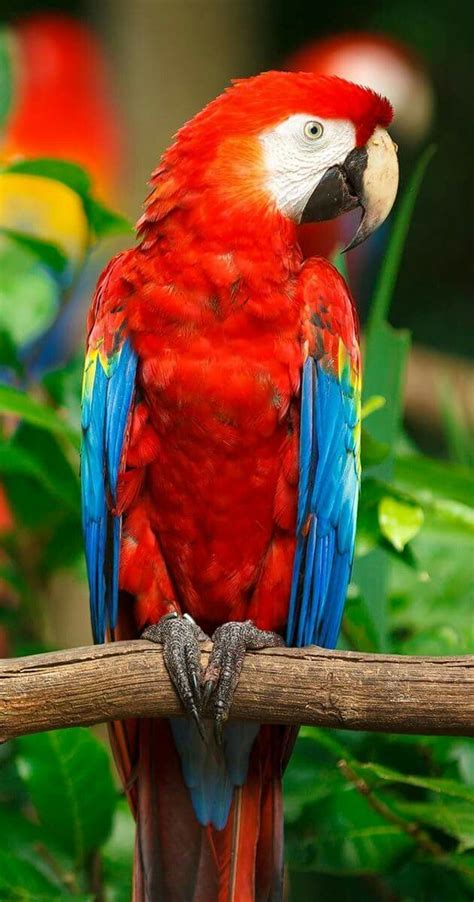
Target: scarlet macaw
220,465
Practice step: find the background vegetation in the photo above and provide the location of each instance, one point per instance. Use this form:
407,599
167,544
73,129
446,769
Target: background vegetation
368,816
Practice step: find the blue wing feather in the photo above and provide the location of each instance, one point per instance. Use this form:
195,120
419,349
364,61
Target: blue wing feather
310,544
120,387
107,399
307,453
327,507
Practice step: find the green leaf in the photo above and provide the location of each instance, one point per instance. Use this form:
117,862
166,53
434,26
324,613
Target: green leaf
434,616
385,364
441,786
345,836
31,504
64,545
17,403
50,456
18,833
311,775
452,513
457,433
105,222
391,263
49,254
369,532
301,886
431,880
358,626
12,791
441,479
454,818
376,402
328,740
117,856
444,490
18,460
29,292
68,776
372,451
64,387
462,751
6,76
21,880
8,353
70,174
64,383
436,510
29,845
399,522
384,372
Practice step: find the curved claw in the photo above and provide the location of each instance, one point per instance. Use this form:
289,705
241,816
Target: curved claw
207,692
231,641
180,637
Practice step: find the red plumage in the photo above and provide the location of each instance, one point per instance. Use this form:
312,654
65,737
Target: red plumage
217,304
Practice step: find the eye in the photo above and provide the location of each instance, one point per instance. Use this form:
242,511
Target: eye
313,130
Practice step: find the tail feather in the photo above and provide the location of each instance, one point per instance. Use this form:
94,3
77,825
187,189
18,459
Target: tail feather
173,861
212,771
270,848
178,859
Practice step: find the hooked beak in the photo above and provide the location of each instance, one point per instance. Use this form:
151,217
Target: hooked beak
368,178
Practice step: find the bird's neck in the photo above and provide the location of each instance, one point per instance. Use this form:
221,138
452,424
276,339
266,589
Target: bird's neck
241,239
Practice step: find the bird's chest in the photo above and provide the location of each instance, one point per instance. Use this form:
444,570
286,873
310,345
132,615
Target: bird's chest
222,389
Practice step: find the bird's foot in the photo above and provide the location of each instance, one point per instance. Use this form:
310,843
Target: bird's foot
231,641
180,638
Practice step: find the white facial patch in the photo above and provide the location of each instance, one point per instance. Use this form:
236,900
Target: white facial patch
296,161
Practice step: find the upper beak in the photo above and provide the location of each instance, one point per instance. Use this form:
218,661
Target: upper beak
368,178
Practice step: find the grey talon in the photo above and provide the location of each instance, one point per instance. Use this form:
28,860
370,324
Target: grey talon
179,637
198,722
219,731
231,641
206,693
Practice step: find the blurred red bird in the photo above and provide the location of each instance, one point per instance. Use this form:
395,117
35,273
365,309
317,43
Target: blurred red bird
60,106
61,102
220,463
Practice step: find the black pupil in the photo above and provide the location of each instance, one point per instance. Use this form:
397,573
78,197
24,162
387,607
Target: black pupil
314,129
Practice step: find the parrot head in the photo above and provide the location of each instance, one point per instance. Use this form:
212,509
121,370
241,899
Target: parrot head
302,146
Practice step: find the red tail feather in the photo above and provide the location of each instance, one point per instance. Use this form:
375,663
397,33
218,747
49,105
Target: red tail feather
178,860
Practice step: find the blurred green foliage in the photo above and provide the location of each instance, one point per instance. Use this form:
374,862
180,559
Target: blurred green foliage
367,815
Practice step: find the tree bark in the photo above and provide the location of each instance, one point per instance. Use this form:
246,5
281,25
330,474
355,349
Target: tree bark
347,690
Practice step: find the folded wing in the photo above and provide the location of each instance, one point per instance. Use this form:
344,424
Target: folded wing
329,462
107,397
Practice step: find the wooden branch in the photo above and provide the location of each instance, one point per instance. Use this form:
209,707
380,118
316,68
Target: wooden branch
348,690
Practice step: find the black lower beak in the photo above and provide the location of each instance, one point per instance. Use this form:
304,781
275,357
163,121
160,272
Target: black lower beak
340,189
368,178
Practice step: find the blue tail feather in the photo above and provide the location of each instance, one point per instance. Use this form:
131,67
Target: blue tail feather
212,772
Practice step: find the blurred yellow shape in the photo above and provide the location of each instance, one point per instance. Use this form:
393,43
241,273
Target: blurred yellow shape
45,209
